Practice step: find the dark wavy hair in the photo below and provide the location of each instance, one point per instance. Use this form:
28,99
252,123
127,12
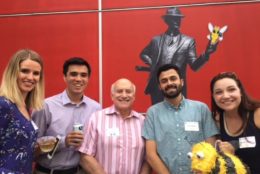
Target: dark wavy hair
167,67
247,103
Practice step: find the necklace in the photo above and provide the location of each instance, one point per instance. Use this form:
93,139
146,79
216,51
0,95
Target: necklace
228,132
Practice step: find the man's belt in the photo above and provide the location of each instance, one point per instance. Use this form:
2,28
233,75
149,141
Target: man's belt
58,171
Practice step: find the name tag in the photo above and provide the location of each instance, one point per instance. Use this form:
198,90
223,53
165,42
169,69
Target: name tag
34,126
191,126
247,142
112,132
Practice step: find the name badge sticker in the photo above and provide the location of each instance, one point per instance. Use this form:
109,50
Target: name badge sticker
112,132
247,142
191,126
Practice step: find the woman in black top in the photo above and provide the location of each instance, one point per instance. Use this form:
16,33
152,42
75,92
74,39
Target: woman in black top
238,117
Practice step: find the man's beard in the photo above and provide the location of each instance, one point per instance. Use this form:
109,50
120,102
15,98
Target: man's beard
174,94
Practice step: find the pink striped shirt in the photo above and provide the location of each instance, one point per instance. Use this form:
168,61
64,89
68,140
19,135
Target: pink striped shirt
116,143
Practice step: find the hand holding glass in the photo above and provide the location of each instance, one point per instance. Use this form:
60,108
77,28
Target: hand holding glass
46,143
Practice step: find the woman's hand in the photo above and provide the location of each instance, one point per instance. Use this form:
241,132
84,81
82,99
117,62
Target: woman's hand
225,147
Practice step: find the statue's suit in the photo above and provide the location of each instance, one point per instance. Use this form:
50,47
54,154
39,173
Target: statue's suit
184,53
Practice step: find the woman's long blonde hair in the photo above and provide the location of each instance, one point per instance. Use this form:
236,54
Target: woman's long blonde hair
9,87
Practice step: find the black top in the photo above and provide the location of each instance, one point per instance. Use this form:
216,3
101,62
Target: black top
250,156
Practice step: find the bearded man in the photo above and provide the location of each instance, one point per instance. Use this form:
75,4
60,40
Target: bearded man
174,125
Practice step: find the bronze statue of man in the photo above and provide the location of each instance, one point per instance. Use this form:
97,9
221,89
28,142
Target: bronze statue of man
171,47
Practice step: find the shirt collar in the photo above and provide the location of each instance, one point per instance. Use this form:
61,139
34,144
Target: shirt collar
112,111
168,105
66,100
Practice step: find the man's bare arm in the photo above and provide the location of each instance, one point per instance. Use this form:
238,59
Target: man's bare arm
146,168
91,165
153,158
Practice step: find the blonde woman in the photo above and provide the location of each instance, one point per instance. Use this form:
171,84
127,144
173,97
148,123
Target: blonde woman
21,90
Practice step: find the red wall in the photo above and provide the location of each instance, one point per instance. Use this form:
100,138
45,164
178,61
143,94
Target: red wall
125,34
55,38
17,6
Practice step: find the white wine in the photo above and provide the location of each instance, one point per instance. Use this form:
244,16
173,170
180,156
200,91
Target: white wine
47,146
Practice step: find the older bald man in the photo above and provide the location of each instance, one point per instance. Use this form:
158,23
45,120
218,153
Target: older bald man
113,141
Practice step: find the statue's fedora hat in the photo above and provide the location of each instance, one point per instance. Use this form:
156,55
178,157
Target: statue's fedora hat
173,12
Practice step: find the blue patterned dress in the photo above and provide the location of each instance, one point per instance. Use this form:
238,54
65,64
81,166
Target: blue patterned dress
17,140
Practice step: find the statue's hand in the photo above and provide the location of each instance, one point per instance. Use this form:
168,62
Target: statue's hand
147,60
211,48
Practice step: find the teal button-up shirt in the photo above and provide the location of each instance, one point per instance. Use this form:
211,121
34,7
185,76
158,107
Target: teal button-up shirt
175,130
